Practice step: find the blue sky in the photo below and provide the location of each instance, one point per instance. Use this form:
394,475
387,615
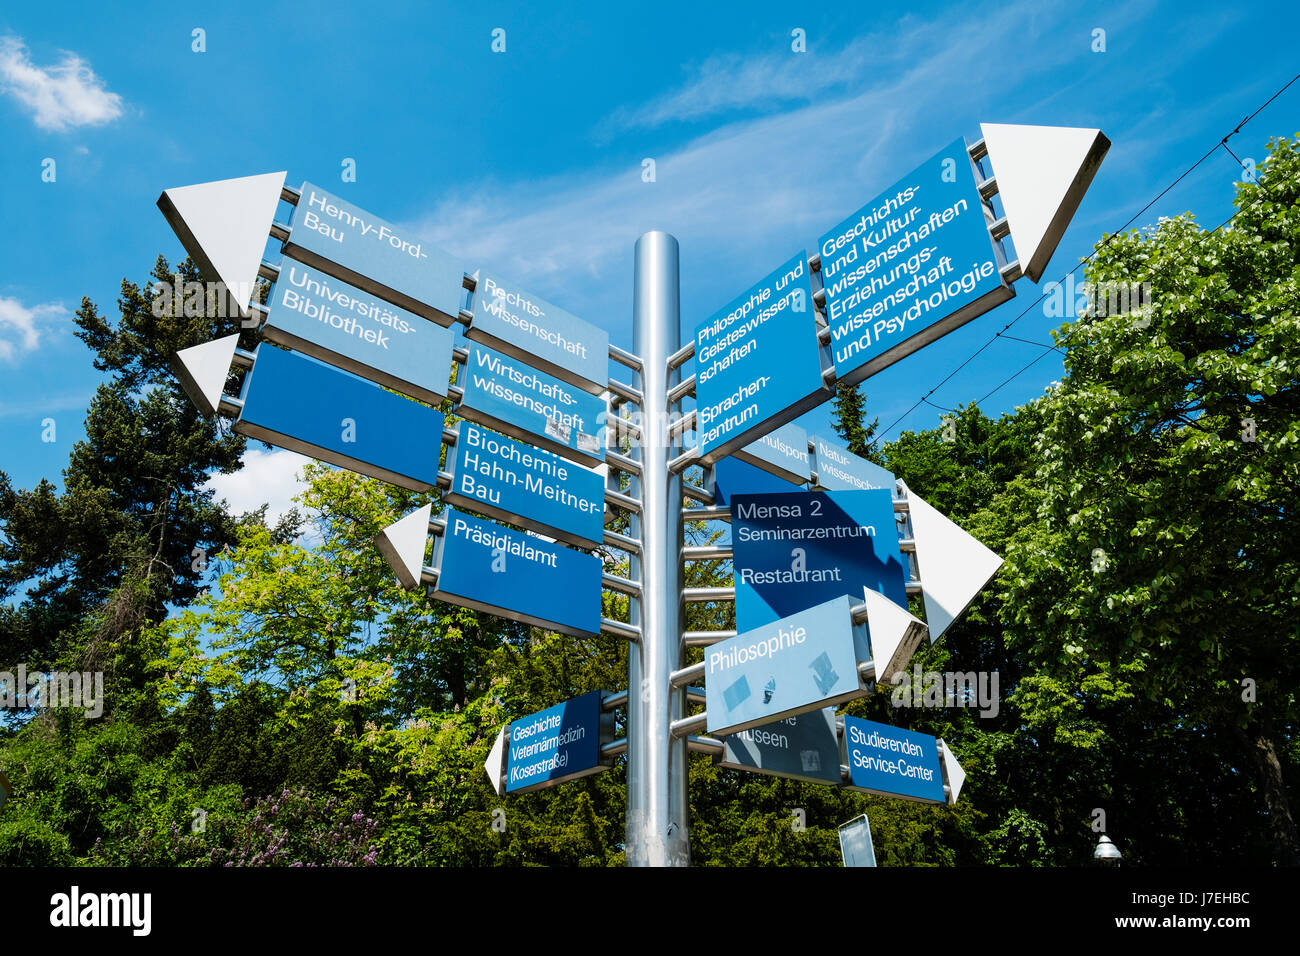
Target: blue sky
530,160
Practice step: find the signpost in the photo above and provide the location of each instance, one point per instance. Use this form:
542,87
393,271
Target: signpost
757,362
802,662
508,480
793,550
358,294
912,264
316,410
337,323
554,745
514,398
838,469
892,762
802,747
518,576
527,327
732,477
351,244
856,847
783,452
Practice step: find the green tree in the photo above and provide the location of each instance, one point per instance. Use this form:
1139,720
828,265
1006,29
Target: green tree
849,419
129,532
1163,561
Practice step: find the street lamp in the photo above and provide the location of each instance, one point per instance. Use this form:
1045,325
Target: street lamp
1107,853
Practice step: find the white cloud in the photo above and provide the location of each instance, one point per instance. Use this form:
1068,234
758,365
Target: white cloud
59,97
266,478
46,404
20,325
733,81
755,190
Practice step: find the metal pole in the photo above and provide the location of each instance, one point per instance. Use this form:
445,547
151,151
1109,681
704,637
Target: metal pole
657,825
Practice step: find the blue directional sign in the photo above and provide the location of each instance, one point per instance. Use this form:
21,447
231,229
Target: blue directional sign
518,576
340,324
800,663
838,469
732,477
803,747
506,479
514,398
387,260
892,762
757,362
797,549
908,267
527,327
783,452
558,744
297,403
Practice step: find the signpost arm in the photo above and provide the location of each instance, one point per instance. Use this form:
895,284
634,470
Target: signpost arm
657,825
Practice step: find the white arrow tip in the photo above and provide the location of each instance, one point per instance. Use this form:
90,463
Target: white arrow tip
202,370
1042,174
496,763
895,634
952,773
953,565
402,543
224,227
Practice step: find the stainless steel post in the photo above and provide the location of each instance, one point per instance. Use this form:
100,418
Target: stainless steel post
657,825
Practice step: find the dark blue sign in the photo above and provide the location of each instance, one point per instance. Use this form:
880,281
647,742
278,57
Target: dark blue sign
518,576
783,452
802,747
557,744
799,663
757,362
732,477
527,327
506,479
337,323
838,469
909,266
892,761
505,394
797,549
387,260
298,403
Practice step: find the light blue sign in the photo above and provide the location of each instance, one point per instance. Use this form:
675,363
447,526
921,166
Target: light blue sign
514,482
337,323
891,761
783,452
558,744
798,549
800,663
505,394
386,260
802,747
856,847
518,576
757,362
909,266
838,469
527,327
297,403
